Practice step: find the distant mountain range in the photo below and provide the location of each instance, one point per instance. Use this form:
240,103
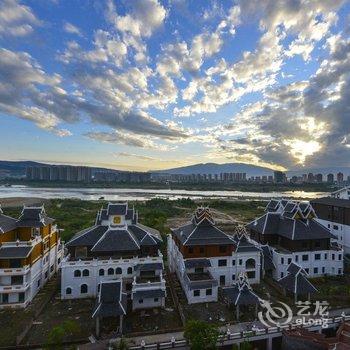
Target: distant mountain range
17,168
213,168
249,169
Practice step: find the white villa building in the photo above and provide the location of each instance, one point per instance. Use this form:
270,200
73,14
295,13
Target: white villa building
205,258
30,254
289,232
116,248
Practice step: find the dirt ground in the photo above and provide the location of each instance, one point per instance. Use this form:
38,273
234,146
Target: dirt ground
20,201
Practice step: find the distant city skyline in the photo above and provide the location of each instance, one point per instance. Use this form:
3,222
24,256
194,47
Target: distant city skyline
149,84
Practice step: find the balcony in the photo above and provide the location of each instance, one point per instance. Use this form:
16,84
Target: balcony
15,271
15,288
34,241
148,282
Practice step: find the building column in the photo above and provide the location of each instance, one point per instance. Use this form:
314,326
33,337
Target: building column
121,324
269,343
97,325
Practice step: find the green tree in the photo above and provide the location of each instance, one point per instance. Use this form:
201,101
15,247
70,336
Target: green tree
201,335
58,333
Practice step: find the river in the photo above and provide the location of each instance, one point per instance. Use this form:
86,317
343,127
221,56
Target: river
125,194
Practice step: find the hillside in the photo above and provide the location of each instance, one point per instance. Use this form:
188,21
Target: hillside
214,168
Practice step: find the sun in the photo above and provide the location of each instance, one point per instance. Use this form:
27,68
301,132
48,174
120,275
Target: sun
302,149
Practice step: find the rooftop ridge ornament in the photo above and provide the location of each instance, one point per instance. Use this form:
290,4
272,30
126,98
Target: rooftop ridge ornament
241,232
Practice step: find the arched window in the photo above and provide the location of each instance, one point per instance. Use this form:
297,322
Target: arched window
101,272
129,270
68,291
118,271
250,264
110,271
83,289
86,272
77,273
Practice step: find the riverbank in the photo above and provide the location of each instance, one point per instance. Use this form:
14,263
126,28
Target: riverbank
142,194
212,186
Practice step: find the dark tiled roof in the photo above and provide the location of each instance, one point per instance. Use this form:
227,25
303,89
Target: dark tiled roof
149,267
268,263
15,252
244,246
143,235
87,237
336,202
202,233
111,300
153,293
7,223
117,209
296,280
298,284
34,217
295,229
116,240
198,262
240,296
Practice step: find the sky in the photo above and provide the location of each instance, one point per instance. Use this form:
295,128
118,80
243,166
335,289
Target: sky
153,84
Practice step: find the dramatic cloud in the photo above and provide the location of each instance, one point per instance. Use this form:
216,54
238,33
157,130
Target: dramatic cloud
15,19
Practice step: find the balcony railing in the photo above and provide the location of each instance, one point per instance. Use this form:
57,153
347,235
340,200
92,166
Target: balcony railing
14,271
32,242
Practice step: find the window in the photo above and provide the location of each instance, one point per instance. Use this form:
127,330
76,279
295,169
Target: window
339,271
307,270
305,257
98,288
336,227
317,256
289,260
68,291
20,297
51,268
296,258
316,270
251,274
240,261
58,261
325,256
118,271
101,272
38,283
129,270
77,273
86,272
110,271
196,293
140,301
156,300
222,249
222,280
323,269
282,274
222,262
208,292
5,298
233,277
333,256
233,262
339,257
83,289
250,264
282,261
16,280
